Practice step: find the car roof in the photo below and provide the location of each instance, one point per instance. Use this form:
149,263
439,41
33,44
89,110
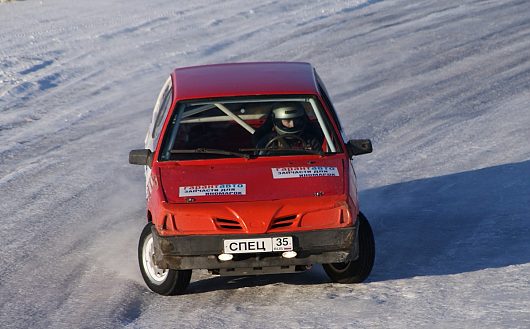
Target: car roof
243,79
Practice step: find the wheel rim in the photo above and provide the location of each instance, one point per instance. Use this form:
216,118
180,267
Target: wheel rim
155,274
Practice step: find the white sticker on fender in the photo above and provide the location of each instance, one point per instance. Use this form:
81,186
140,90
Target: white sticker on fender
206,190
299,172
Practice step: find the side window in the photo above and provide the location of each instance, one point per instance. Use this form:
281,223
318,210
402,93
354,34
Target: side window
329,105
162,113
158,114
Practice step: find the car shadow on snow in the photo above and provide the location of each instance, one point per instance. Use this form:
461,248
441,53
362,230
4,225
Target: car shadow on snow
451,224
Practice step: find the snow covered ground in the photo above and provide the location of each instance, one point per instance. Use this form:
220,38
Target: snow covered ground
441,87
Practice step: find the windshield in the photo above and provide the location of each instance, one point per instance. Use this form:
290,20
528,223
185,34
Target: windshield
227,128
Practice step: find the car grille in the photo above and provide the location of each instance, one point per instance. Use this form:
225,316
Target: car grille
227,224
283,221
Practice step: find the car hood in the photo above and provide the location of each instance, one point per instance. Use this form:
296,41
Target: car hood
252,180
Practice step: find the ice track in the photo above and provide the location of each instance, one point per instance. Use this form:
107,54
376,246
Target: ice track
441,87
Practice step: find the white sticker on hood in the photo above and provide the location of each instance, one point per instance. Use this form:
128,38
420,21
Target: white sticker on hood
205,190
298,172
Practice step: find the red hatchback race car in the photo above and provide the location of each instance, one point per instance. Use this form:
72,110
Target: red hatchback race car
247,173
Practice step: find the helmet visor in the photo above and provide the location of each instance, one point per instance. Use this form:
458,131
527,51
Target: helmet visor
291,126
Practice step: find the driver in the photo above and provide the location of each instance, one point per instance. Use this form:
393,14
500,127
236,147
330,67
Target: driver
291,129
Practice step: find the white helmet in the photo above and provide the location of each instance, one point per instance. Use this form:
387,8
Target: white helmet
289,111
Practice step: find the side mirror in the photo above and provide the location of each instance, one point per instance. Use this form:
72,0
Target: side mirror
141,157
359,146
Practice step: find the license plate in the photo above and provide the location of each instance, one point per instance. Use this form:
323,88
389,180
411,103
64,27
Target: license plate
241,246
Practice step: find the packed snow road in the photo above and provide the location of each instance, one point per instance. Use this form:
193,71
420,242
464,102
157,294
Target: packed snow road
441,87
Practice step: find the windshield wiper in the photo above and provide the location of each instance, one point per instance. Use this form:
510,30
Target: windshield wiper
321,153
211,151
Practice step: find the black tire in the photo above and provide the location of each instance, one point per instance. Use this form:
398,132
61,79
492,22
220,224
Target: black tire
358,270
163,282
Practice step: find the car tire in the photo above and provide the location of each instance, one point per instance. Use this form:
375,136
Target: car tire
162,281
358,270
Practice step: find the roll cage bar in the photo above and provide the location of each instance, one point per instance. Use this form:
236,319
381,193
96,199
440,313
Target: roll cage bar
246,126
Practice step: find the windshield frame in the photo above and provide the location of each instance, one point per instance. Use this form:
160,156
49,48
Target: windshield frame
177,116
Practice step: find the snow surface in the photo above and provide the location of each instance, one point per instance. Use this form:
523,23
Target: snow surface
441,87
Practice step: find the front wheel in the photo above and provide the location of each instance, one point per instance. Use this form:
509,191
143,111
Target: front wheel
162,281
358,270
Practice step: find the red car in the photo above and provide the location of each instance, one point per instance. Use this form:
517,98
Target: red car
248,172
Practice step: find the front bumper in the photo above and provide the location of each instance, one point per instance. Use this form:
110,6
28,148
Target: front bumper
201,251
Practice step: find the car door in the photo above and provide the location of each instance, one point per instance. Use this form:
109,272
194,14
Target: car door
351,171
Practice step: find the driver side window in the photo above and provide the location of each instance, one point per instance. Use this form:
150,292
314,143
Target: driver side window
162,114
